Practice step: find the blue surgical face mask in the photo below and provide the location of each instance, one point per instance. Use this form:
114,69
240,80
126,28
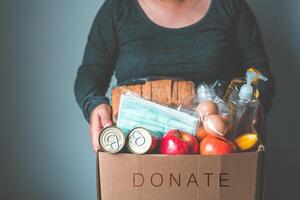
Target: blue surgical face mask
137,112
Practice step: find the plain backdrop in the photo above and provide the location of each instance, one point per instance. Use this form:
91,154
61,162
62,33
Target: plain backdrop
45,149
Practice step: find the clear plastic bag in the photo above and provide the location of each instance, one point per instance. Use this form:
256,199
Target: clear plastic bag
212,110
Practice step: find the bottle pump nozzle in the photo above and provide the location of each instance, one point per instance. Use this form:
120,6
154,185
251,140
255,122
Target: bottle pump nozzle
246,90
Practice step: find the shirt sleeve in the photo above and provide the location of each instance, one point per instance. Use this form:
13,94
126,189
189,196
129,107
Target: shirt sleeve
95,72
251,50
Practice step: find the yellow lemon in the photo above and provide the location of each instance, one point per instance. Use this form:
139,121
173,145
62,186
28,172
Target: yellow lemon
246,141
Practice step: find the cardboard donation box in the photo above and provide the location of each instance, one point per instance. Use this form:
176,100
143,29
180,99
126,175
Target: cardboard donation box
125,176
189,177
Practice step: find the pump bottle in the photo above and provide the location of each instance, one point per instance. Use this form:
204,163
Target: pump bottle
243,106
236,84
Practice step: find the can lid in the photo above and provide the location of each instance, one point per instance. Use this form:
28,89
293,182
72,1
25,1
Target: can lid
139,141
112,139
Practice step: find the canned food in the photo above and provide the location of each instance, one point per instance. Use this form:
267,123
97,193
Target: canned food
141,141
111,140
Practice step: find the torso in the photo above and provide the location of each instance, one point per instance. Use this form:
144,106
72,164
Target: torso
200,49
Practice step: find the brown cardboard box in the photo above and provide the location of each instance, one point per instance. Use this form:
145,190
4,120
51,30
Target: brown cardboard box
235,176
124,176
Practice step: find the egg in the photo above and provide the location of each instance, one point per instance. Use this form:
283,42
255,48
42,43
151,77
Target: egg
214,124
206,108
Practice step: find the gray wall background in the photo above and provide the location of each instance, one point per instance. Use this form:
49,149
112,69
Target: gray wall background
45,148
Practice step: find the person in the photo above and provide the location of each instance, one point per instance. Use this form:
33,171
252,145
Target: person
197,40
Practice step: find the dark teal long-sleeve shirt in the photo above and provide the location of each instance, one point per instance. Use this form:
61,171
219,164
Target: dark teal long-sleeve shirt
222,45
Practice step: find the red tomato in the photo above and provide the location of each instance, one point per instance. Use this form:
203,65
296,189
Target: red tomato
214,145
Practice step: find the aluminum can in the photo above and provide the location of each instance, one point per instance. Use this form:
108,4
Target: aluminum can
112,139
141,141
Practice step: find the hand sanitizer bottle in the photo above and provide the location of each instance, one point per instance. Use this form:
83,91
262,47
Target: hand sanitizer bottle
236,84
243,106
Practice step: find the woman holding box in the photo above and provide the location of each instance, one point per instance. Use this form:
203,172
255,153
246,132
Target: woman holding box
197,40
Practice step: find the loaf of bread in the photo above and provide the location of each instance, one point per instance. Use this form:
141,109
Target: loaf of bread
165,92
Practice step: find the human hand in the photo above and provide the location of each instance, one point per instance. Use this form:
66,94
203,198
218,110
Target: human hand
100,118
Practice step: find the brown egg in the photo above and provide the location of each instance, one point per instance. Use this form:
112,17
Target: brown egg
206,108
214,124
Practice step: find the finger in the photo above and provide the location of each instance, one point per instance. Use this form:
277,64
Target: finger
115,117
106,119
95,128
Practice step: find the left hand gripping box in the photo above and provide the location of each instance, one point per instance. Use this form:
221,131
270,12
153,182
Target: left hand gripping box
236,176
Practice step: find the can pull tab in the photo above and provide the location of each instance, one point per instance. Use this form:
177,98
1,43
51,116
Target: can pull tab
246,90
